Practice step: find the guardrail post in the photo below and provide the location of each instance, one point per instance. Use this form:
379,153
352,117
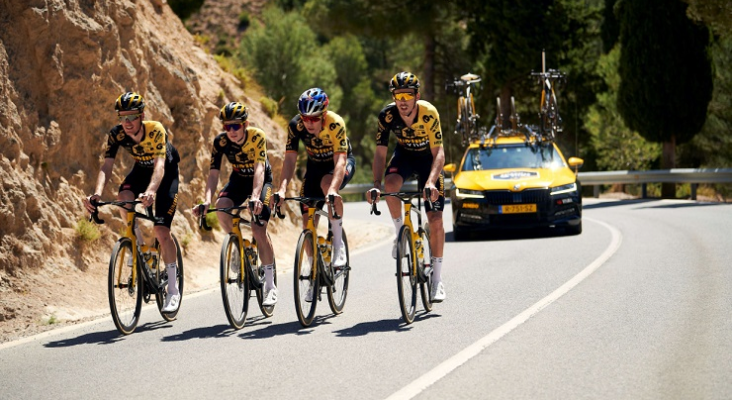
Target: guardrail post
644,191
693,190
596,191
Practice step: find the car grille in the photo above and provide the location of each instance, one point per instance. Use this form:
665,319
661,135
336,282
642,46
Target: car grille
530,196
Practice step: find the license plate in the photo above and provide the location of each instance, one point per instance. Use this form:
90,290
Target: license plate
517,209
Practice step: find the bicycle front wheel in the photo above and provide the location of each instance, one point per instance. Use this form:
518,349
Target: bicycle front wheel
306,286
338,292
425,268
406,275
234,282
162,272
257,272
124,288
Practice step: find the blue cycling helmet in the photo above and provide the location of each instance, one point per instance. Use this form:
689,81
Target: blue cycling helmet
312,102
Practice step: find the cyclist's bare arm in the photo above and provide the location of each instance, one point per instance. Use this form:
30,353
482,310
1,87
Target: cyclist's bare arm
158,172
105,172
211,183
288,169
438,162
258,181
378,169
339,159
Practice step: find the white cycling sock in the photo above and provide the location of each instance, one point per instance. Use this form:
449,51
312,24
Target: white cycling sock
172,270
436,270
268,277
398,224
336,226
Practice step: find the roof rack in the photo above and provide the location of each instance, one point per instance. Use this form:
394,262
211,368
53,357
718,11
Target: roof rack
531,134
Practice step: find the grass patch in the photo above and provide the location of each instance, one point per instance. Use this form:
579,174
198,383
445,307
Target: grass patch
270,106
87,231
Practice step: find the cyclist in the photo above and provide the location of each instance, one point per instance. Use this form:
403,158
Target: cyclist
330,165
246,149
419,151
153,179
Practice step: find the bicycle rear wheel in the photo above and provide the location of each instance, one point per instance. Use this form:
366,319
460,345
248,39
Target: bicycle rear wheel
258,274
405,274
425,262
125,292
234,283
304,280
163,280
338,292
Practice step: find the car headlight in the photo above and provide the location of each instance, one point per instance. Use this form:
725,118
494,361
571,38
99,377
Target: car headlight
572,187
468,194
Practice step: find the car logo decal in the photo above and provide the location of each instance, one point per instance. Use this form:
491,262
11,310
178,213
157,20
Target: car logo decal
517,186
515,175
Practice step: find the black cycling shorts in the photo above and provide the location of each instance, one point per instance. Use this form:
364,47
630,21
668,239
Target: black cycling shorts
410,167
238,190
166,197
314,175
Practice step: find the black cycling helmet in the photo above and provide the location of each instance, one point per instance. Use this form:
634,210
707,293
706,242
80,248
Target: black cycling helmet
233,111
312,102
129,101
404,80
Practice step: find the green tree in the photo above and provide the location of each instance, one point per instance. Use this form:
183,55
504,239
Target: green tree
507,38
716,14
287,58
666,81
617,147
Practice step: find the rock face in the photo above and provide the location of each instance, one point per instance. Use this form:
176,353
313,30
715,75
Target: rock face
62,65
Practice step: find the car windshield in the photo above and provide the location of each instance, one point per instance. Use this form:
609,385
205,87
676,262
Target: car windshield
517,156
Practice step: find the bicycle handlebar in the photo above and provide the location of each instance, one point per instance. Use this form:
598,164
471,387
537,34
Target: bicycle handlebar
308,201
403,196
227,210
98,203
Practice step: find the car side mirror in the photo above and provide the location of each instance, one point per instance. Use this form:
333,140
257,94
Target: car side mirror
449,168
575,163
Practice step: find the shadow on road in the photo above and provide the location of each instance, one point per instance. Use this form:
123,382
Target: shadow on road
510,234
107,337
290,328
384,325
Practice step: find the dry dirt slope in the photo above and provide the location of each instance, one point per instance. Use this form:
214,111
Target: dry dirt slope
62,64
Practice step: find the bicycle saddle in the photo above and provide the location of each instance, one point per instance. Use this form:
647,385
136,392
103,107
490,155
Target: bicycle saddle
470,77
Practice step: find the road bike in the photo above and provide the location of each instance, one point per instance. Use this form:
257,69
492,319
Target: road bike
313,267
136,272
467,121
239,267
550,122
414,255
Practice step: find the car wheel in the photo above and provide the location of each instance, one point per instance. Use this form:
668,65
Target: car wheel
459,234
574,230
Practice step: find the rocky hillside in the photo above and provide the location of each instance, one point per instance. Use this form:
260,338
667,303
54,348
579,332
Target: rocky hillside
62,65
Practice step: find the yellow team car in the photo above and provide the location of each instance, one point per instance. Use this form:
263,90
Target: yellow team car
511,181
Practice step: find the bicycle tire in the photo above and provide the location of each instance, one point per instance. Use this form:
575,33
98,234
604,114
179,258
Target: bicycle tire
125,295
425,286
338,292
465,119
303,279
257,272
170,316
405,274
235,291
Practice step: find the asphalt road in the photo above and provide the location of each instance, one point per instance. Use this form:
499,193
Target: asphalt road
636,307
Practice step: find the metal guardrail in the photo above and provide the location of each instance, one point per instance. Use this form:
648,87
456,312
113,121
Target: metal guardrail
679,175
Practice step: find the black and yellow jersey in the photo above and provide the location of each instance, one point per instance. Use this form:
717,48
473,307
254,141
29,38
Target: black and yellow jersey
154,144
243,157
419,138
321,147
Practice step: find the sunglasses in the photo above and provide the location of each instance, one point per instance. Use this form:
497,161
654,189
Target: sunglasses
128,118
232,127
404,96
306,118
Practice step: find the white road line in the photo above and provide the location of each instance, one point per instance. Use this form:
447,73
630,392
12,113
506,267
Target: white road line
440,371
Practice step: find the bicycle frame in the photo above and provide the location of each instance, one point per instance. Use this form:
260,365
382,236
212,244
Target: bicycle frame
467,117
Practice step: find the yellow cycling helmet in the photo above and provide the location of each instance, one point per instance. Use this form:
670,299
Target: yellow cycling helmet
129,101
234,111
404,80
